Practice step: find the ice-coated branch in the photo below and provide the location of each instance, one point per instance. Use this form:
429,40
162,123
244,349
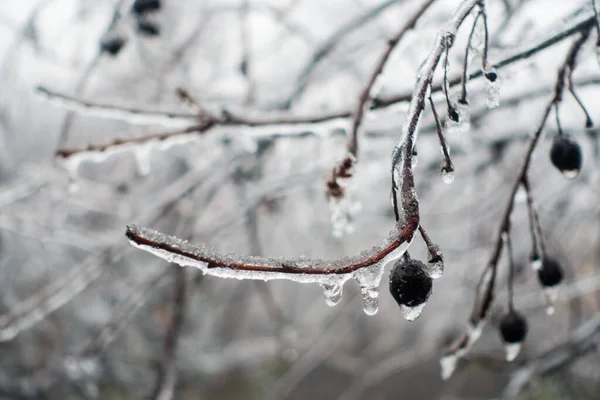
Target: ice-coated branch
366,269
344,169
484,294
403,152
136,115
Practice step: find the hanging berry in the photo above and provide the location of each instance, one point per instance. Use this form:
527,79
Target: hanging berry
565,154
513,327
145,6
112,44
551,273
410,286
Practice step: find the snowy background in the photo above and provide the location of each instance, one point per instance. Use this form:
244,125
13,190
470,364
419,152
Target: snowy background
261,191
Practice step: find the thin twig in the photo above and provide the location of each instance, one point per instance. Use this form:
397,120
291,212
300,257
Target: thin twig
344,170
484,295
145,116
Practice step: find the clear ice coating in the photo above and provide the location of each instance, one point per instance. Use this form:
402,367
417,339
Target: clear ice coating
343,211
370,300
412,313
435,267
368,279
512,350
447,175
333,292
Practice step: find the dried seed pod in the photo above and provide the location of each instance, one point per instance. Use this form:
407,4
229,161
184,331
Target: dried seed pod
513,327
551,273
112,44
144,6
565,154
410,286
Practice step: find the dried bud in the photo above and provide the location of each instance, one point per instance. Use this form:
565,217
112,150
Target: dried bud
565,154
144,6
409,284
112,45
513,327
551,273
148,28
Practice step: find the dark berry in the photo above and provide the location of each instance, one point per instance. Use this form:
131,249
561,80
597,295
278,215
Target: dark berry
513,327
551,273
491,76
148,28
565,154
453,115
409,284
112,45
143,6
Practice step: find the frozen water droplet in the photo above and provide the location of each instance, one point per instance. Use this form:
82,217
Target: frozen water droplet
551,295
142,159
435,270
370,300
570,174
412,313
448,364
343,211
332,292
521,195
536,264
512,351
474,332
447,175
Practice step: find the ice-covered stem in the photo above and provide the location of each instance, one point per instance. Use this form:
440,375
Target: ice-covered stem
511,270
344,169
484,55
451,110
597,17
299,269
136,115
463,79
484,293
402,154
448,166
535,226
167,377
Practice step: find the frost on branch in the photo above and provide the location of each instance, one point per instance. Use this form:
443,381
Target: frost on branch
366,269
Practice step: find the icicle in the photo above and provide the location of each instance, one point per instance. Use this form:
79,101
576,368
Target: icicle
512,351
142,159
333,292
368,279
536,263
493,90
448,364
412,313
435,265
370,300
447,176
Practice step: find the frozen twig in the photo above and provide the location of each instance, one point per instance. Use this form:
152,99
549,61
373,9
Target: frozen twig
134,115
344,169
484,294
